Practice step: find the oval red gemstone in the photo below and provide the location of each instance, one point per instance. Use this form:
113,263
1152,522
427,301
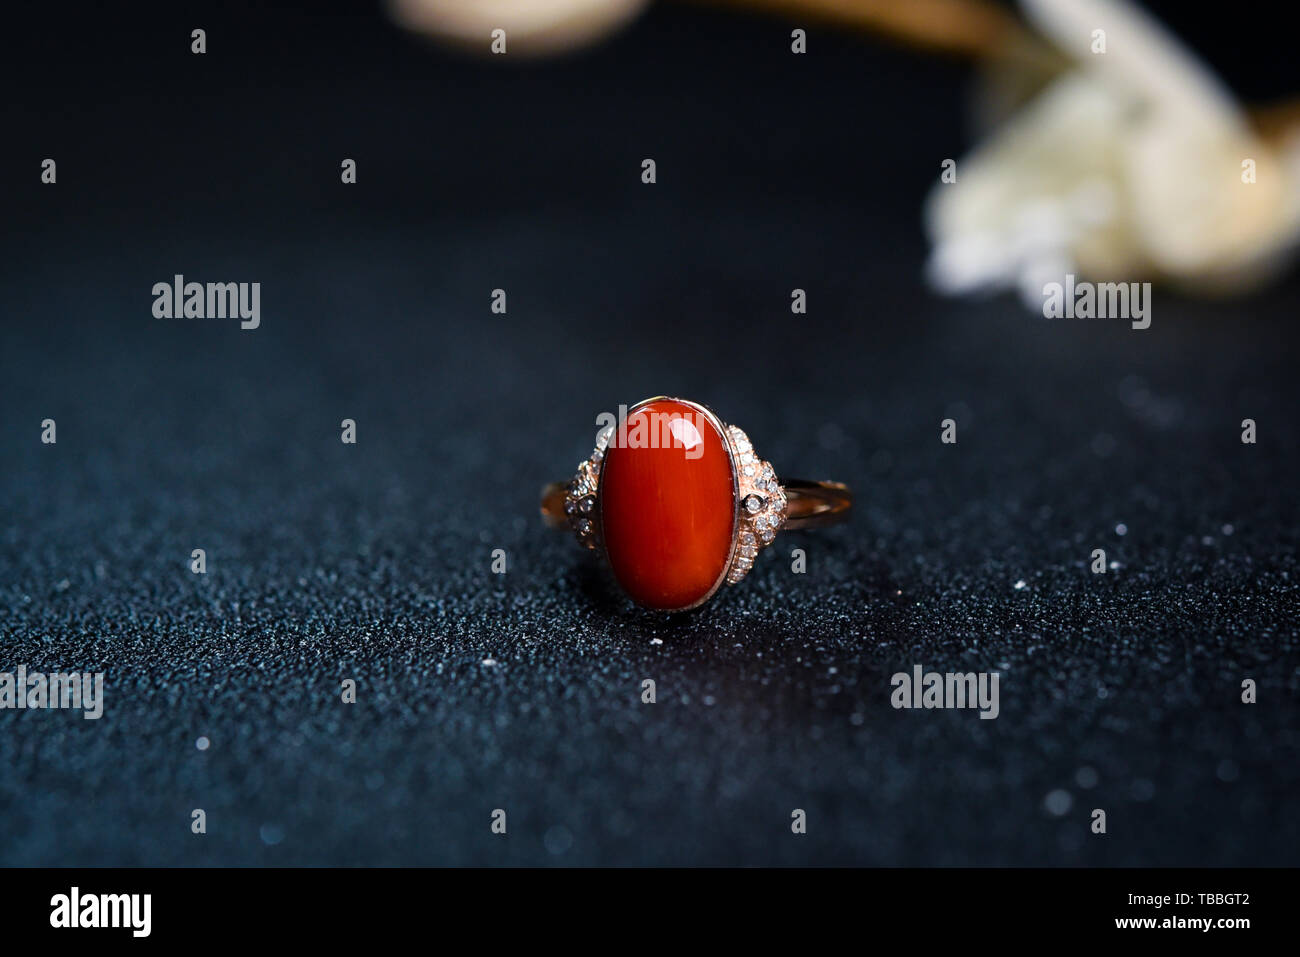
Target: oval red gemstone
668,504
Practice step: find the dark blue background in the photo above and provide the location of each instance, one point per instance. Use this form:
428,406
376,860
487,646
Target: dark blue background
372,561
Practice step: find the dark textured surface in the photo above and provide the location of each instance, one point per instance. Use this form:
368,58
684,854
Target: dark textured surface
372,561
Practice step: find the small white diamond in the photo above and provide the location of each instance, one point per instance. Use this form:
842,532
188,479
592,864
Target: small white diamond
768,535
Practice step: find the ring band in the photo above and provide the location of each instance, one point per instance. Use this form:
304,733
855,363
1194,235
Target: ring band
677,502
808,504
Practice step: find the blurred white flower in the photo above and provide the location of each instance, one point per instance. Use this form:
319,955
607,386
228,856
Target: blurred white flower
1128,165
532,26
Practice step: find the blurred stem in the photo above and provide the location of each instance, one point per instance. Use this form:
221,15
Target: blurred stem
978,29
1277,121
973,28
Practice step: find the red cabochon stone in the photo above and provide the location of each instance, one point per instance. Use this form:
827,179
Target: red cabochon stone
667,518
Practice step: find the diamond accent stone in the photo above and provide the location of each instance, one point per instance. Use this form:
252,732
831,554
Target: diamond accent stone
762,505
580,497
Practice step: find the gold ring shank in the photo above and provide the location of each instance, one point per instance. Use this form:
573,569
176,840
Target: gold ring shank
553,505
808,504
815,504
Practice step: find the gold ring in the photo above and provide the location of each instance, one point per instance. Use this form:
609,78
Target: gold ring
677,502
